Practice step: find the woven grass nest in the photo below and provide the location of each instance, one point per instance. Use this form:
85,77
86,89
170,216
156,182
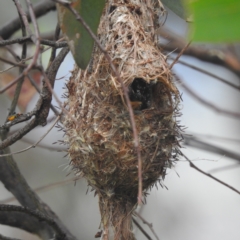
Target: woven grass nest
98,129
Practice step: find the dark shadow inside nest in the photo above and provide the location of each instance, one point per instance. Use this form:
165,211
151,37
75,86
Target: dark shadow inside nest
145,95
140,94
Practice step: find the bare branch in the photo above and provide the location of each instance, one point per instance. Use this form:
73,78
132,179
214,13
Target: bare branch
179,55
15,182
7,238
209,175
196,143
28,39
45,146
40,9
35,38
147,223
23,17
43,104
141,229
44,188
16,64
34,215
209,74
20,82
212,55
54,49
16,40
39,91
35,144
225,168
53,43
2,90
27,223
206,103
214,137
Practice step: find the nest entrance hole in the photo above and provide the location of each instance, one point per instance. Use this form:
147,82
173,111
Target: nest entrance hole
140,93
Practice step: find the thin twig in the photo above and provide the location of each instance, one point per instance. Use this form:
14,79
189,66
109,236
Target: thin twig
204,52
125,91
23,16
2,90
50,85
197,143
40,9
38,90
43,188
207,103
209,136
209,175
45,146
54,49
36,143
16,64
209,74
225,168
54,43
179,55
147,223
13,41
20,82
42,107
35,38
141,229
28,39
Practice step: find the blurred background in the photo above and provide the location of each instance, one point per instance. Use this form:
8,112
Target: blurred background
192,206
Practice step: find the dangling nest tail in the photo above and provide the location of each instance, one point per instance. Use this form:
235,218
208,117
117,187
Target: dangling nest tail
98,129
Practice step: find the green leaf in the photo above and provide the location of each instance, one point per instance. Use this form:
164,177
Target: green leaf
215,20
176,6
79,40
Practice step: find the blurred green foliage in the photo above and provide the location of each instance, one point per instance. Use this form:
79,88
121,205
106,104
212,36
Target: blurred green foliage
216,21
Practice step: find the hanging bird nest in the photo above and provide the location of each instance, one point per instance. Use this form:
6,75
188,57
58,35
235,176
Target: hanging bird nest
98,128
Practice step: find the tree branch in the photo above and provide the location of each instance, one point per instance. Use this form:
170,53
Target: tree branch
17,185
30,220
196,143
43,104
148,224
209,175
208,73
141,229
23,56
28,39
40,9
212,55
207,103
7,238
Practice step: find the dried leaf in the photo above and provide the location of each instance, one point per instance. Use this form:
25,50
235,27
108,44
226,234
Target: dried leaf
27,91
